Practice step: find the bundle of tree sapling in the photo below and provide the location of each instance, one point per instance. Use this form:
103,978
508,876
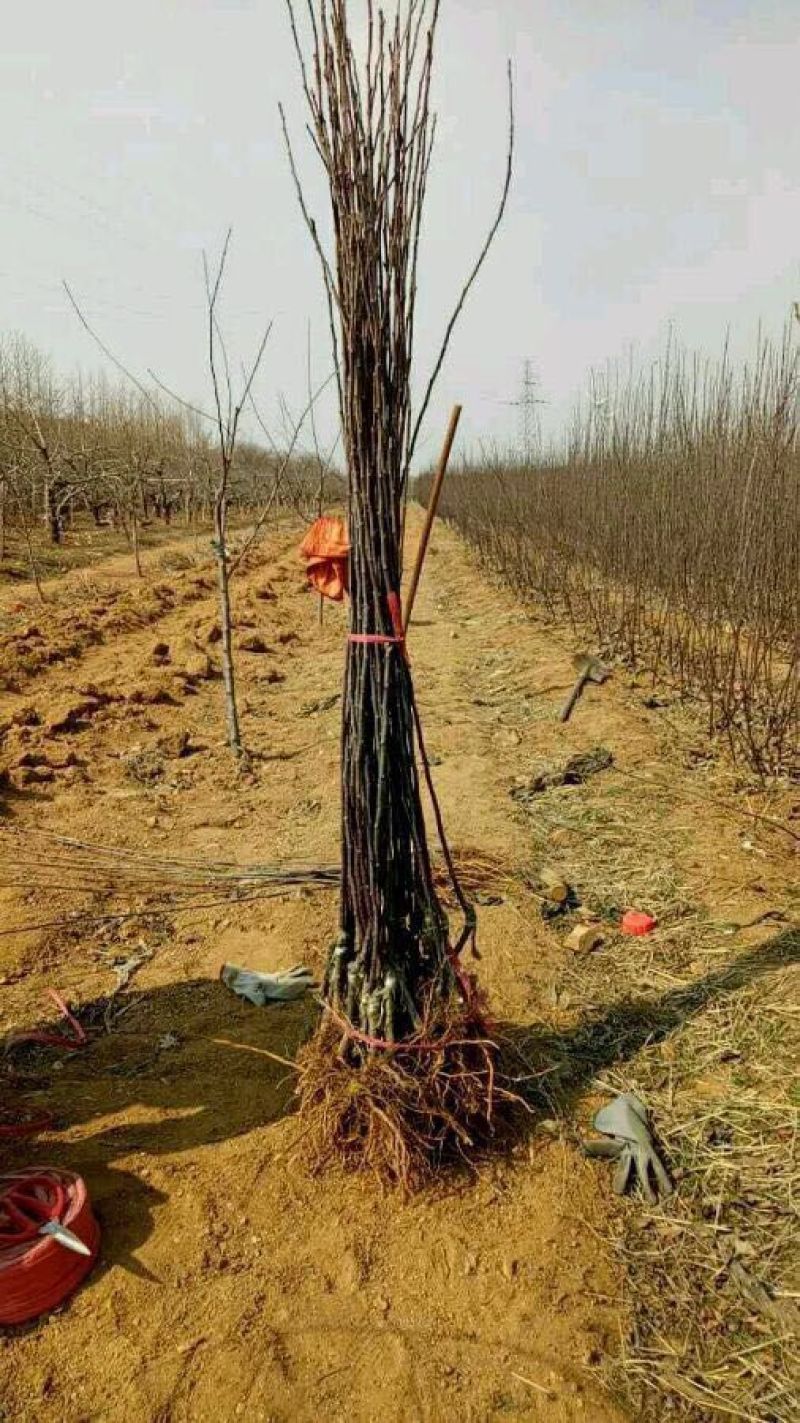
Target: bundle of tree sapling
403,1070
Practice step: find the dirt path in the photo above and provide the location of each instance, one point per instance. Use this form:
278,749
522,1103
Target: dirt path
232,1285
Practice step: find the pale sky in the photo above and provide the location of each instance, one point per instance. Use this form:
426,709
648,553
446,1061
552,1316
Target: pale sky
655,182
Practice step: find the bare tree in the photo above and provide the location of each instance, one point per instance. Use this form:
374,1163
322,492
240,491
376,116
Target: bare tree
228,412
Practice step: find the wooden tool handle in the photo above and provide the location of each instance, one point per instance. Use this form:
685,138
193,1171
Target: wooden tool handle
574,694
433,503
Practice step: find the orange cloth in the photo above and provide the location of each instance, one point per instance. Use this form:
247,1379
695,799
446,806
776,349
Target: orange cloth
326,550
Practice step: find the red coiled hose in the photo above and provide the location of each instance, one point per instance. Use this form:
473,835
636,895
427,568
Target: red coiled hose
37,1274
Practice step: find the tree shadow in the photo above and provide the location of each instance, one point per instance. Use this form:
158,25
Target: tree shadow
562,1064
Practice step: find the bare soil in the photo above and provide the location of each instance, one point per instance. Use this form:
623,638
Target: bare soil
231,1283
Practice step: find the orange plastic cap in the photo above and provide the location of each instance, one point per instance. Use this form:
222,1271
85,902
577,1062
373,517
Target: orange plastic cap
636,922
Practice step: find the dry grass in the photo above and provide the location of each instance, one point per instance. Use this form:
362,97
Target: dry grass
708,1034
713,1276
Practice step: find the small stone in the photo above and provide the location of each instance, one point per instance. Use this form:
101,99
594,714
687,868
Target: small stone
160,653
507,737
584,939
32,776
72,717
158,695
31,758
554,886
471,1265
72,774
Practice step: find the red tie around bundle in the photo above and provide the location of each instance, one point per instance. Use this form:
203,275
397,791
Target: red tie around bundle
381,639
36,1272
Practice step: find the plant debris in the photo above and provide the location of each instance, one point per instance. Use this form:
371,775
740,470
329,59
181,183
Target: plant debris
572,772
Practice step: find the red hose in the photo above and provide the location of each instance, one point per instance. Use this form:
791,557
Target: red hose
27,1121
38,1275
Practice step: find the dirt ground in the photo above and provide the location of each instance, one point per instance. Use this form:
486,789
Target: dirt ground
231,1284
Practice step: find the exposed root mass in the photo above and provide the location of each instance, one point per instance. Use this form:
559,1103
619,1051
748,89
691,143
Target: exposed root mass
400,1114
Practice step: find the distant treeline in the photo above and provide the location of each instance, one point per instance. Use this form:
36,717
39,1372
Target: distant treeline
115,454
669,532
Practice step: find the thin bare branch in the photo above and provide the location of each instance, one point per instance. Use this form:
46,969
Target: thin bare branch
106,349
484,252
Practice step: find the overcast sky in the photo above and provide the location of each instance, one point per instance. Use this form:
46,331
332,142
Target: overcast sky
655,182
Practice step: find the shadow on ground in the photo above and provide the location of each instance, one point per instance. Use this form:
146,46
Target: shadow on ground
182,1067
565,1063
187,1065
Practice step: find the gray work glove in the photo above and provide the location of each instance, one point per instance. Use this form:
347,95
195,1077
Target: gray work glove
262,988
631,1146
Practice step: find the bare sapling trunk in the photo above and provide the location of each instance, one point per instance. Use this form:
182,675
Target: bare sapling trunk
227,417
50,514
226,642
137,558
126,512
26,534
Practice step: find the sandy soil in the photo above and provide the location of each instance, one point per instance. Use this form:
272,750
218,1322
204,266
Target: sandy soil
231,1284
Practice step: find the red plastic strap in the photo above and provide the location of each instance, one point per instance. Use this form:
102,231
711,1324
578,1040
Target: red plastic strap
71,1019
466,982
381,1045
397,639
37,1035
